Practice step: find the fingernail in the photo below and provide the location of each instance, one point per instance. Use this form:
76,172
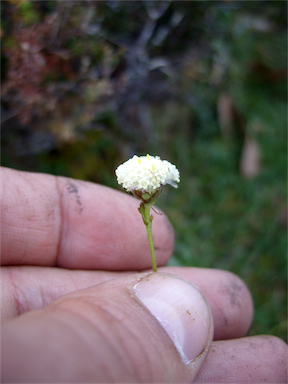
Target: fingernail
182,310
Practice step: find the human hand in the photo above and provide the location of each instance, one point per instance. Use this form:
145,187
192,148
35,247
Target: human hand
74,304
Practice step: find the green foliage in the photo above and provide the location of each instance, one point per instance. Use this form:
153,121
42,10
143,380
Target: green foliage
27,12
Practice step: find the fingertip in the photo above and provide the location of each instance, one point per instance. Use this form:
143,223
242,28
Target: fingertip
255,359
239,309
164,238
102,228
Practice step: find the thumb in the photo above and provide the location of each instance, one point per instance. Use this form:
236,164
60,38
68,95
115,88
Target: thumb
141,328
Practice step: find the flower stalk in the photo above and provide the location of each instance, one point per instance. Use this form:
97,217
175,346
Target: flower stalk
147,219
147,202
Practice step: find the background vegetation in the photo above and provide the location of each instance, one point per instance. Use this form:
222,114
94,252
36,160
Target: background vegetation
87,84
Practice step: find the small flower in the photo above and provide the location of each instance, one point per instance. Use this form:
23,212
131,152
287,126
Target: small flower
146,174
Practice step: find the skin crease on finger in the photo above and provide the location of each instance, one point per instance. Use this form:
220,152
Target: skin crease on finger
49,221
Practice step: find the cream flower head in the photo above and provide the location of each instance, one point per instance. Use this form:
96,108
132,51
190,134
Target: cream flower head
146,174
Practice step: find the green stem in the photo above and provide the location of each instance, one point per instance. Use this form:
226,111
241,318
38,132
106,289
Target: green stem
145,212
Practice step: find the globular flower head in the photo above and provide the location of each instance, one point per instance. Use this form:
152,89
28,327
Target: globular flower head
146,174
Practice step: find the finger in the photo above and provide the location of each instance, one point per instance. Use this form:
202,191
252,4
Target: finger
28,288
51,221
257,359
125,330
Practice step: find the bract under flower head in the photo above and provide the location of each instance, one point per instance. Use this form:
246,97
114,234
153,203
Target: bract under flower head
146,174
